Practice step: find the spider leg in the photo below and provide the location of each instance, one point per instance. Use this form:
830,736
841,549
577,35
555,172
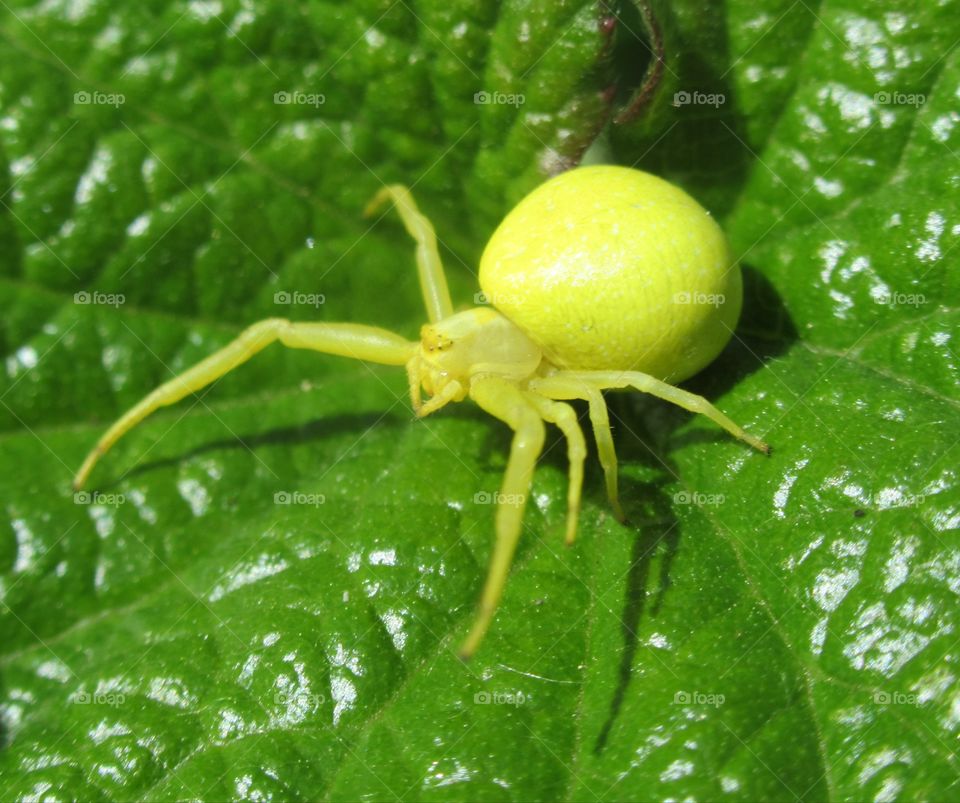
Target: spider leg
565,418
414,379
505,401
663,390
345,339
433,283
561,386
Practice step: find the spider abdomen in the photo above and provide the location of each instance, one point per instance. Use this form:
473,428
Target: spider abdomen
611,268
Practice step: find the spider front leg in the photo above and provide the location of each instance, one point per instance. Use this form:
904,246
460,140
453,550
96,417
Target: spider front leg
505,401
433,282
367,343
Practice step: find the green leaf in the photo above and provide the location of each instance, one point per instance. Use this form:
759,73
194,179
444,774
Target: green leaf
264,593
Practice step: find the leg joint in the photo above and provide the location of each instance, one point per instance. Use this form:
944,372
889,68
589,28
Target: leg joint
267,325
530,432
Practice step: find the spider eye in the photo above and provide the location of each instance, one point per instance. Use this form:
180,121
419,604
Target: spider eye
433,340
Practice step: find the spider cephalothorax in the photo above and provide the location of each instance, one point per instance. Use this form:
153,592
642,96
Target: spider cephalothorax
477,342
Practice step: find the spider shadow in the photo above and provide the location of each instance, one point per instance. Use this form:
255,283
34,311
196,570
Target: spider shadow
655,537
767,332
655,533
765,318
316,430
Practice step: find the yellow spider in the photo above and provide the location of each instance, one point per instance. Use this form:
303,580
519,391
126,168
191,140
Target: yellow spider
603,277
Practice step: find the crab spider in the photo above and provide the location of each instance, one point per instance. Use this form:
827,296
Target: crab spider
603,277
